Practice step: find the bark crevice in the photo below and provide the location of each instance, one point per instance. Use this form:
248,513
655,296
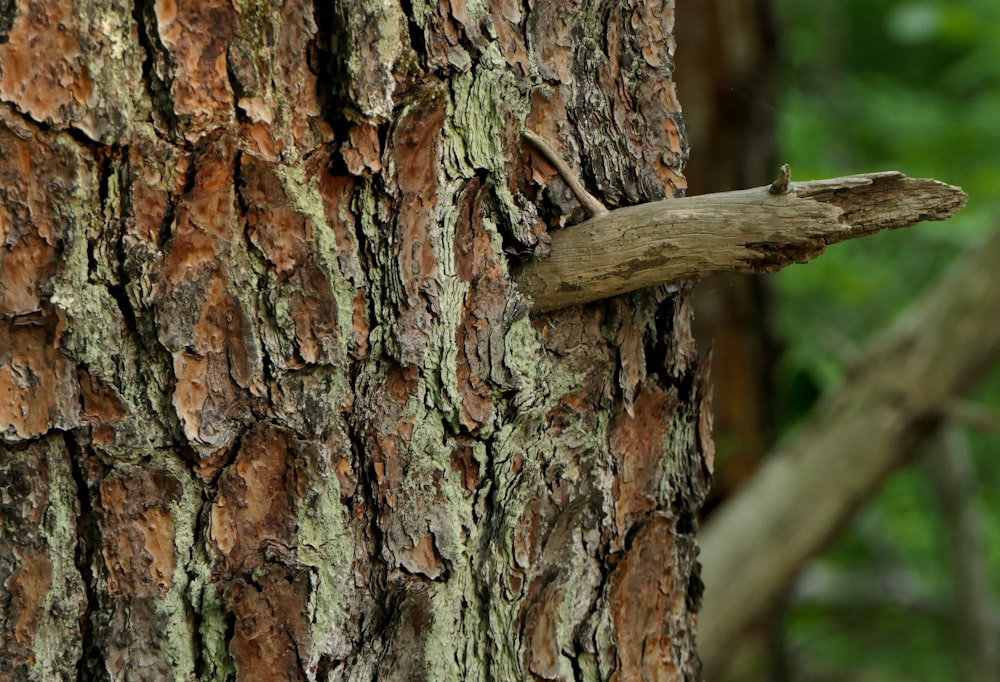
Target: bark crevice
87,532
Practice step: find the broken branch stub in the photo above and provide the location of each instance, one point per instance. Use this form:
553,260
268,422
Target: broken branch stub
752,230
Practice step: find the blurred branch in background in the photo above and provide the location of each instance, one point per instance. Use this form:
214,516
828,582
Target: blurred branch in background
907,84
974,416
825,583
755,544
952,472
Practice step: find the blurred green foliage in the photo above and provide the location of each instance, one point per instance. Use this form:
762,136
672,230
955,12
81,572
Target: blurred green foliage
875,85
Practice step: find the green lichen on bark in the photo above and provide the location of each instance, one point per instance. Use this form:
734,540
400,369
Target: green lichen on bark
58,644
253,48
325,544
484,103
421,11
374,37
114,62
96,336
307,200
460,600
428,457
581,574
383,284
484,106
512,488
442,350
453,646
178,639
216,663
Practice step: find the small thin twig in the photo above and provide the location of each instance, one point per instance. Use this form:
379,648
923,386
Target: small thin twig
593,206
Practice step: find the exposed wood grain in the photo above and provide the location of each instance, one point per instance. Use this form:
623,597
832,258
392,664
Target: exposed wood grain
749,230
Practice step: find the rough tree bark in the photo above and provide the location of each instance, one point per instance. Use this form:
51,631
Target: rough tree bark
272,407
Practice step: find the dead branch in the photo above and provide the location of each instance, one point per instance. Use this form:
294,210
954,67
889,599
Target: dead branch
753,230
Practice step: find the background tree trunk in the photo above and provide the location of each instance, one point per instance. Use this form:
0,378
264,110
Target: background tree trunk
272,407
728,80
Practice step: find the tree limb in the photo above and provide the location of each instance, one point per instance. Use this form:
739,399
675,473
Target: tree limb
752,230
953,475
755,544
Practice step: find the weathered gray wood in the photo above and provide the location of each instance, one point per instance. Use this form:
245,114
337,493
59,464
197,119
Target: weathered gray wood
755,544
751,230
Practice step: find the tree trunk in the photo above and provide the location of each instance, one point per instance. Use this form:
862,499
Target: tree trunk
727,78
728,72
272,407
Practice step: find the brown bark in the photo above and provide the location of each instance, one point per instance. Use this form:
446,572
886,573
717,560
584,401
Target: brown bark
271,405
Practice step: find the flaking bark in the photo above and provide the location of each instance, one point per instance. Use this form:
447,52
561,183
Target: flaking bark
257,309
